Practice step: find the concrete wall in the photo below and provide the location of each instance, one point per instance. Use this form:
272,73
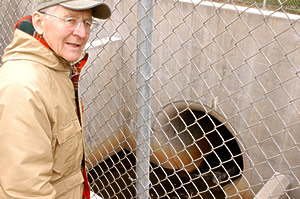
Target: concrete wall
241,62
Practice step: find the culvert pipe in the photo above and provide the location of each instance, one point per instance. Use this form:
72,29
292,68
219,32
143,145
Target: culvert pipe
179,140
192,140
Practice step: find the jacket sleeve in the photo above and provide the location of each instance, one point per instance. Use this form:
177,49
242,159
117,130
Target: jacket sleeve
25,144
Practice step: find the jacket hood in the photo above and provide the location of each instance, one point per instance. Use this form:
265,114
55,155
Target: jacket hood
26,47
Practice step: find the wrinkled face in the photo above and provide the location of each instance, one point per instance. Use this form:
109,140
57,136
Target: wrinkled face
66,42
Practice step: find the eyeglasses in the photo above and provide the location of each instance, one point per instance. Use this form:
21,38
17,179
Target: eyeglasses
72,23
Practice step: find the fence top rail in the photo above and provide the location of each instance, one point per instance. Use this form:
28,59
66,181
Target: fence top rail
244,9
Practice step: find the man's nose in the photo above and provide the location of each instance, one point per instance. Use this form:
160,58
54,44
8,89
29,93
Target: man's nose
80,30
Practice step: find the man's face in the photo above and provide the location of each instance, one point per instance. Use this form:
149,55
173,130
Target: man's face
65,42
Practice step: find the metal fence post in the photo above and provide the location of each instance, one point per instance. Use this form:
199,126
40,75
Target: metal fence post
264,4
143,95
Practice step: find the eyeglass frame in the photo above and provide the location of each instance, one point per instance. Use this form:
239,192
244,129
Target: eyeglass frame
85,22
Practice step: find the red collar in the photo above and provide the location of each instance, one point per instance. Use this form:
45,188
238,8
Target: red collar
25,24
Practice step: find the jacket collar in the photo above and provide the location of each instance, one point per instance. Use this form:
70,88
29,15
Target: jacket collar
25,24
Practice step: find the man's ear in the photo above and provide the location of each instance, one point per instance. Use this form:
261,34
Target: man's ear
37,22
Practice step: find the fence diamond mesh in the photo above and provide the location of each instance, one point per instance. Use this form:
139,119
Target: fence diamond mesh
190,99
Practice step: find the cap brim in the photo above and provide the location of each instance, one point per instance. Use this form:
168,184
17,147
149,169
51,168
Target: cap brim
100,10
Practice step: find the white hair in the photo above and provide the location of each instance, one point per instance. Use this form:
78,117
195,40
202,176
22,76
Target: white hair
49,10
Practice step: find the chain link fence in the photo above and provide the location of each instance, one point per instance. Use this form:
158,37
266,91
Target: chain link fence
278,5
190,99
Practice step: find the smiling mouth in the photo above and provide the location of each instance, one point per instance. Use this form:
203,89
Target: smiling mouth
74,45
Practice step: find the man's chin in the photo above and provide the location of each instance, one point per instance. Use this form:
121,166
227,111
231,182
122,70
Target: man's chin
72,58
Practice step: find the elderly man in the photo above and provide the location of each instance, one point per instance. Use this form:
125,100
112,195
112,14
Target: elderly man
41,138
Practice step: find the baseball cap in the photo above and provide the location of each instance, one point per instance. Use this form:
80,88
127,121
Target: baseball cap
100,9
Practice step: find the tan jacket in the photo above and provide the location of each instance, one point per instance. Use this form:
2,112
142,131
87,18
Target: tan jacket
41,141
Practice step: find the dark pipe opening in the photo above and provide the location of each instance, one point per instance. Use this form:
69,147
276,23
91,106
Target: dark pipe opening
115,177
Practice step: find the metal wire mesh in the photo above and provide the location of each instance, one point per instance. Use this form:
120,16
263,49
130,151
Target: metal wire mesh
285,6
224,107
